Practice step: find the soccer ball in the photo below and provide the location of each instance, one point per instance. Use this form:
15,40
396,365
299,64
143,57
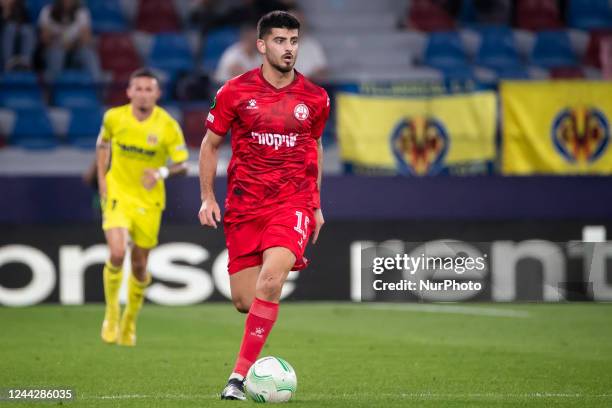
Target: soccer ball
270,379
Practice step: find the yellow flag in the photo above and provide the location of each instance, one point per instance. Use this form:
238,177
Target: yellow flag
556,127
416,136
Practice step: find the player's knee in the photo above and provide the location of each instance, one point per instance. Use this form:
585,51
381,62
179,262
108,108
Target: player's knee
242,305
117,255
269,286
139,267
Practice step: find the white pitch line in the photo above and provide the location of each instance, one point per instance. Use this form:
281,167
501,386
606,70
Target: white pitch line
493,395
144,396
332,396
426,395
453,309
113,397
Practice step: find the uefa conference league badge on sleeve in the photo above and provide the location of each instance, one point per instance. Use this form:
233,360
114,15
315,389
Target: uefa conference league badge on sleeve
211,117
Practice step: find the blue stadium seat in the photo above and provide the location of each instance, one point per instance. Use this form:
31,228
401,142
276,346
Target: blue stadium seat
76,98
20,89
512,72
171,52
553,49
497,49
21,98
590,14
107,16
33,129
216,42
74,89
445,51
84,127
461,73
74,78
18,80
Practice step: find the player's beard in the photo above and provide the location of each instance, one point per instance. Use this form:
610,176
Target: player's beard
281,67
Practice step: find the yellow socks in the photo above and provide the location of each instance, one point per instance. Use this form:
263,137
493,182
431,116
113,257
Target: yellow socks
136,289
114,331
112,276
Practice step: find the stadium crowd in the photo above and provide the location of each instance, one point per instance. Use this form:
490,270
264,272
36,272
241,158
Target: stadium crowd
65,61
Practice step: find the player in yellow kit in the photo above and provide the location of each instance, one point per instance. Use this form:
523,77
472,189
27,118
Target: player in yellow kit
135,145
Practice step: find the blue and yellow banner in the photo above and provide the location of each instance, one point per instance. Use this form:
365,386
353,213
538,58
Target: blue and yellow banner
559,127
418,136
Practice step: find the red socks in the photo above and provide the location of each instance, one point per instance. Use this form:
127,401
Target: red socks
259,322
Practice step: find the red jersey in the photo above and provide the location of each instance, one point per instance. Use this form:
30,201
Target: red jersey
274,136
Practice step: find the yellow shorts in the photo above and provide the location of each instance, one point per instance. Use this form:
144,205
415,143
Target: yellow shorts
142,223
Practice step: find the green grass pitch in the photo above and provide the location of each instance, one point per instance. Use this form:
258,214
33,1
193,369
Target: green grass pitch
345,355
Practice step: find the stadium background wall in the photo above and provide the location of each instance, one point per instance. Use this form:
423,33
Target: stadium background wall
51,246
65,200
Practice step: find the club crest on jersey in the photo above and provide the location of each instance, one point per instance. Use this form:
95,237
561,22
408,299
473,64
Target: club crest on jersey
252,104
301,112
152,140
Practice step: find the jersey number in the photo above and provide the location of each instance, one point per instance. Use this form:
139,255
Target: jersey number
298,228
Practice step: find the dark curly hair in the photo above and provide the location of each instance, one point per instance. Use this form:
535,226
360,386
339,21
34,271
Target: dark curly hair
276,19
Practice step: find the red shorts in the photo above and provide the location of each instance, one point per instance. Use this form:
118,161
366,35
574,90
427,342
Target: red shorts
286,227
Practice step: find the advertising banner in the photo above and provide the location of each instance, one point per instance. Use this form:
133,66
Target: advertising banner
399,261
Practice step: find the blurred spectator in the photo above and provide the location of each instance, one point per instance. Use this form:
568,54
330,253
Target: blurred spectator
65,30
239,57
311,60
208,14
18,39
202,13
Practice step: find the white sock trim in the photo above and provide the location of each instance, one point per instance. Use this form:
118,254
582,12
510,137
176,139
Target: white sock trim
236,376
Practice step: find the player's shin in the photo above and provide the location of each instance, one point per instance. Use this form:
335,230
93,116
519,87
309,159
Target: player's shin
259,322
136,290
112,276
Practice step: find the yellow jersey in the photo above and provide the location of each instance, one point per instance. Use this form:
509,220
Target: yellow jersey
136,146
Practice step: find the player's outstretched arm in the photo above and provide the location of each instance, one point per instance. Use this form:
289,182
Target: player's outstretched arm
319,220
210,213
102,158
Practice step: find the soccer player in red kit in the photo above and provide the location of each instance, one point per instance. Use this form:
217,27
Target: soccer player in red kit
276,117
